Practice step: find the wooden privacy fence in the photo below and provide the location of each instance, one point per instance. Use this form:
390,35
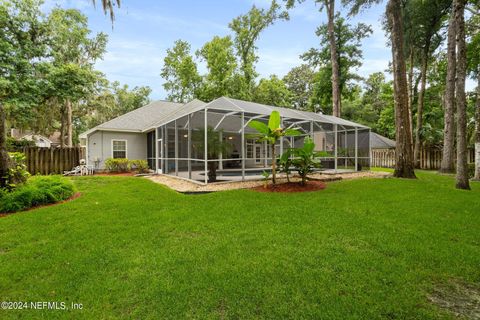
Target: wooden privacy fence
430,159
52,160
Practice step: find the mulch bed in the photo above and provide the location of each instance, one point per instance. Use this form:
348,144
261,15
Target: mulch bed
75,196
292,187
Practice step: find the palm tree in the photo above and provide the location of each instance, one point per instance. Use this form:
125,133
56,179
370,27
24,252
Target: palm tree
215,147
107,6
271,133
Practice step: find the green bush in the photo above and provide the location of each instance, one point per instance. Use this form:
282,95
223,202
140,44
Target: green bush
125,165
306,158
15,145
139,166
37,191
117,165
17,171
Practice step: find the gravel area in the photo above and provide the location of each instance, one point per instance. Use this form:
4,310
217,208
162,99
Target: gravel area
186,186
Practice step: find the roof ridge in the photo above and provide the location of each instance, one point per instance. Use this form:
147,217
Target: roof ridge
157,121
136,110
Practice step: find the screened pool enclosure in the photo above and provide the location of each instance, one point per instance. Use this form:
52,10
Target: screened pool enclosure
178,144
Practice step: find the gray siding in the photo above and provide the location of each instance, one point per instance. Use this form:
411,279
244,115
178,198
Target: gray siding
99,146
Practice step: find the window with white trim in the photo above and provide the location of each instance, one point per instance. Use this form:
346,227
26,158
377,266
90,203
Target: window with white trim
119,149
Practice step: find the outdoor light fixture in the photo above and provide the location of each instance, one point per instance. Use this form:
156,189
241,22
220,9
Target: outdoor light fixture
185,135
230,138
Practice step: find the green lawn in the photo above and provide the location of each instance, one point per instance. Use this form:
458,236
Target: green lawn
129,248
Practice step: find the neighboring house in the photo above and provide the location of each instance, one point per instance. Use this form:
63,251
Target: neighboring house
40,140
382,151
380,142
170,136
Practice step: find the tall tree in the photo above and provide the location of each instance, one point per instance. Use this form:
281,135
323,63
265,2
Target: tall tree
180,73
427,21
404,167
336,96
23,46
74,53
299,81
447,165
376,98
410,36
477,133
329,6
247,29
273,92
473,59
461,101
403,150
221,65
348,40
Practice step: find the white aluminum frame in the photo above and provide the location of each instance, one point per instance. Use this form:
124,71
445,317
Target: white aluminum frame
313,127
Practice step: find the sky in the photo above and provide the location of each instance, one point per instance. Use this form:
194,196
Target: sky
144,29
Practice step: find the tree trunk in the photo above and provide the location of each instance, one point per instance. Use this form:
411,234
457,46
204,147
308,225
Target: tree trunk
62,128
462,168
421,99
403,132
274,165
447,165
410,90
212,171
69,124
4,158
477,130
336,98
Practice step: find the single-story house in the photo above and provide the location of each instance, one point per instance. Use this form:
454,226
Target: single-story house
172,138
382,151
40,140
380,142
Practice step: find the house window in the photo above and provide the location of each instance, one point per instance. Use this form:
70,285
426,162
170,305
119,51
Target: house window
119,149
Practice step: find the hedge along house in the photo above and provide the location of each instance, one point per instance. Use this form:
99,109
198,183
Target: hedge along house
173,138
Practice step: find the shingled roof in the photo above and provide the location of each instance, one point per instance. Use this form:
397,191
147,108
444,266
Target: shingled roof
138,119
380,142
160,112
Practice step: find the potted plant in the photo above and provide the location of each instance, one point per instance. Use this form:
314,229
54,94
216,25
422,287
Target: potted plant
215,147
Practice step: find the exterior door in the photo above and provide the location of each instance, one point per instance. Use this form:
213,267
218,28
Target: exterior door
258,154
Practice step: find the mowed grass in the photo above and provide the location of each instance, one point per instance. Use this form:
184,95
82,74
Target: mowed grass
129,248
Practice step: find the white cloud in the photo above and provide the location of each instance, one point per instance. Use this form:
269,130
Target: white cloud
276,62
373,65
154,18
135,63
75,4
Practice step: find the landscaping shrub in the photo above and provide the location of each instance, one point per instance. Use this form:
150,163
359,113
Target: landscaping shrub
15,145
37,191
125,165
306,158
17,172
139,166
117,165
